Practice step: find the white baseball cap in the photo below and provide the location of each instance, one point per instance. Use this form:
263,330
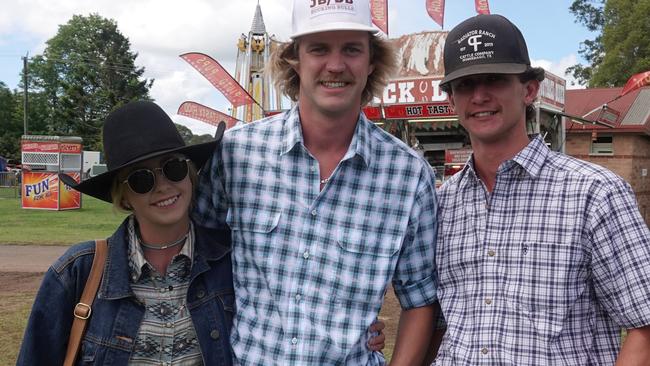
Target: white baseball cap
315,16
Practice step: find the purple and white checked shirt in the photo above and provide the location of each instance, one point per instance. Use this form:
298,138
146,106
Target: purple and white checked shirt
546,269
311,267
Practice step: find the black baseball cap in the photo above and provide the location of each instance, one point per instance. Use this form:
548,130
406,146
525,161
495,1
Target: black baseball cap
486,44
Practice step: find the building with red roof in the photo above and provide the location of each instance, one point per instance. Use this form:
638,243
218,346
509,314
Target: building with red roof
622,146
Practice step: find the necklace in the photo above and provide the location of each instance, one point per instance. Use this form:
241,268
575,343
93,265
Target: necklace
164,246
325,180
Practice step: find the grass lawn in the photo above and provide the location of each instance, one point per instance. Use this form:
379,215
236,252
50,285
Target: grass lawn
13,318
96,219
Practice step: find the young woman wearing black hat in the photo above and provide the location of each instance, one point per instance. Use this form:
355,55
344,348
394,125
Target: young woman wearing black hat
166,296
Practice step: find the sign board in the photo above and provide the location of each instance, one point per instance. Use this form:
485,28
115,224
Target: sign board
43,190
413,90
457,155
552,90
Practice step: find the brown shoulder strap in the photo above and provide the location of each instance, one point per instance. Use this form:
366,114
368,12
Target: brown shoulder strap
83,310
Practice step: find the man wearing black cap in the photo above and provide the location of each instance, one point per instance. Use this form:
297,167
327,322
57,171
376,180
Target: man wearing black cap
326,209
542,258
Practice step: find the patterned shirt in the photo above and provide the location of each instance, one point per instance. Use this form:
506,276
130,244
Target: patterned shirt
545,269
166,335
311,267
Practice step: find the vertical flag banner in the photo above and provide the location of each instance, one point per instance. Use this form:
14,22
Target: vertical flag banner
379,11
436,10
205,114
220,78
635,82
482,6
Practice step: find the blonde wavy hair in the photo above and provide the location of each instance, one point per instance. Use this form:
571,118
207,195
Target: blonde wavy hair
285,57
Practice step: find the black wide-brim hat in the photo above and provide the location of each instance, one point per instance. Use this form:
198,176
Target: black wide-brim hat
136,132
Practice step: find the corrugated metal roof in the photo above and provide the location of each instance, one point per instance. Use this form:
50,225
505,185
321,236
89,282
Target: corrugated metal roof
639,112
258,26
633,108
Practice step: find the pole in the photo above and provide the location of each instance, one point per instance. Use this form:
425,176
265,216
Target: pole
26,96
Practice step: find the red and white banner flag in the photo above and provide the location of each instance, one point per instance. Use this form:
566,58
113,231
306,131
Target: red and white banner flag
635,82
206,114
379,11
482,6
436,10
220,78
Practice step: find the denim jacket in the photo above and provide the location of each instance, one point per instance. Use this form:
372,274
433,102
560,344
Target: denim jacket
116,315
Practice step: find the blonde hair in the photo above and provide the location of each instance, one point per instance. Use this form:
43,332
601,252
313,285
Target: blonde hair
285,57
118,189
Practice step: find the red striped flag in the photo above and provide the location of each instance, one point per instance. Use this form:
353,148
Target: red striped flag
379,11
482,6
635,82
436,10
206,114
220,78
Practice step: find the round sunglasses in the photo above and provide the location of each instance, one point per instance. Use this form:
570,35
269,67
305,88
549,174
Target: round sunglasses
143,180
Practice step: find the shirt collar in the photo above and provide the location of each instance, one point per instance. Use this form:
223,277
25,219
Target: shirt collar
360,144
137,261
531,158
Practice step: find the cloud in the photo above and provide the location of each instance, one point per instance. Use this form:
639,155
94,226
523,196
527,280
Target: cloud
559,68
159,31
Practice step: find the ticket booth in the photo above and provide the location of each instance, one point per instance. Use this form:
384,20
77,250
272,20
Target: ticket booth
43,158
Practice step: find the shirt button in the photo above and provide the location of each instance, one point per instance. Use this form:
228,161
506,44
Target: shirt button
488,301
305,255
313,213
313,169
200,294
168,325
298,297
491,253
214,334
294,340
484,351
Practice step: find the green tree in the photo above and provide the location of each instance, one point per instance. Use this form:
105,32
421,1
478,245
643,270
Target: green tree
185,132
9,130
86,70
622,45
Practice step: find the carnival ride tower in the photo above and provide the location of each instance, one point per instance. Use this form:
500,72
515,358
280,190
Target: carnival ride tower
253,52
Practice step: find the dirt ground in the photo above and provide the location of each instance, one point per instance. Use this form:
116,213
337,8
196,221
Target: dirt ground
22,268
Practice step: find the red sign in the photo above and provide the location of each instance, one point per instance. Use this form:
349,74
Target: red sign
436,10
372,113
70,148
37,146
220,78
457,155
482,6
40,190
206,114
379,11
68,197
635,82
426,110
420,90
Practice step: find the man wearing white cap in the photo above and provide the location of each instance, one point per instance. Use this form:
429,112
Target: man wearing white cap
326,209
543,258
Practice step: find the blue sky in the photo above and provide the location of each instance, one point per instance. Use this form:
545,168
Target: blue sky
160,30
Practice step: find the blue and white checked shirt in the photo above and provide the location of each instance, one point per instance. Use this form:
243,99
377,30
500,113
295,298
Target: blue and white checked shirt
546,269
311,267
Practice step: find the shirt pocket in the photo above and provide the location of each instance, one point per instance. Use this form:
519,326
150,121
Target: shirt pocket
363,267
543,282
262,220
